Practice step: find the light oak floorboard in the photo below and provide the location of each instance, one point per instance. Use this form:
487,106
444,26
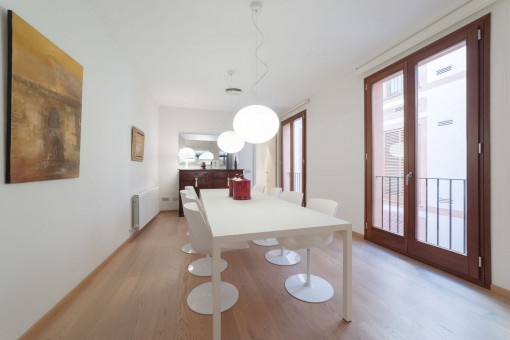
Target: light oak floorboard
141,294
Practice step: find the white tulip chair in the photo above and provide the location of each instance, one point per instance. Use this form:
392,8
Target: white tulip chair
308,287
193,194
200,299
186,198
282,256
203,266
259,188
275,192
191,191
292,197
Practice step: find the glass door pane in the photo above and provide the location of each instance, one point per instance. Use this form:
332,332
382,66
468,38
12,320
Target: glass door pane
388,154
441,148
297,174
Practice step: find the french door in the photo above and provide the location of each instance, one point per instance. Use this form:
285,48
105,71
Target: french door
293,154
428,157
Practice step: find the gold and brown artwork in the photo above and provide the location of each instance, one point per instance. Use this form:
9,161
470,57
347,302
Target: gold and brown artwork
44,107
137,144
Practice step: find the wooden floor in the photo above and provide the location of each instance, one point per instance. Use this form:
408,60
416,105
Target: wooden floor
141,294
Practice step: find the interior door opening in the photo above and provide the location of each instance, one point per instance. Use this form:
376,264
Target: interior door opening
293,154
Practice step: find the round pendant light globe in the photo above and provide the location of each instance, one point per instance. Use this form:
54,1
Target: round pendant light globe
256,124
230,142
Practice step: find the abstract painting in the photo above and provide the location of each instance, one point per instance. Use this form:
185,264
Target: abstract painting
137,144
44,107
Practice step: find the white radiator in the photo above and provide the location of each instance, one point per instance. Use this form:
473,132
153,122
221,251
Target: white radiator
145,207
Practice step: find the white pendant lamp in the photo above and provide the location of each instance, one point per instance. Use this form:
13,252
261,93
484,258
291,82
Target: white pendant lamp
230,142
256,123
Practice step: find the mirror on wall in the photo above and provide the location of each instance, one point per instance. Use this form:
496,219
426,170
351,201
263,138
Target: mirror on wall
202,143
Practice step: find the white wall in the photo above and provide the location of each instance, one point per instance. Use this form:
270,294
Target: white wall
245,161
336,153
265,162
335,148
500,143
175,120
54,233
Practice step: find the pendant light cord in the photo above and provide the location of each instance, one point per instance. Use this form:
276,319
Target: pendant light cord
254,88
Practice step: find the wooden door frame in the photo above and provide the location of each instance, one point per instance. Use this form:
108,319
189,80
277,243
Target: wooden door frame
289,120
483,161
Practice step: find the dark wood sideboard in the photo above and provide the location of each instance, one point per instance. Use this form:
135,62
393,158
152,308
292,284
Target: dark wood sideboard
205,179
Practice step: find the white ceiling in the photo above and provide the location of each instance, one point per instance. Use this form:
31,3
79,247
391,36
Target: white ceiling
182,49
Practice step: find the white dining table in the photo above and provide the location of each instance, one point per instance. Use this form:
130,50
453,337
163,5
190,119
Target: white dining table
264,216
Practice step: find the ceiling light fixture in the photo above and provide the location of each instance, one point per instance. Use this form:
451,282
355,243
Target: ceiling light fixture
230,142
256,123
233,90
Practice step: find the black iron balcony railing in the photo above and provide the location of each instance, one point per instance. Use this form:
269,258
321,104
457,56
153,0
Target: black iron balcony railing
440,215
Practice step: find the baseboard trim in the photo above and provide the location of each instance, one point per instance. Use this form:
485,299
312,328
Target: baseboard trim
359,235
41,323
172,210
500,291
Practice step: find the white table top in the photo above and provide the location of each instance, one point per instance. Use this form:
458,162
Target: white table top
262,216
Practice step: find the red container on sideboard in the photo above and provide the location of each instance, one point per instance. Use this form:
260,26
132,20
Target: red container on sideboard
231,186
242,189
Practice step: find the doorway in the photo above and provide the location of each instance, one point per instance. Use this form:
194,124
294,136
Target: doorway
265,154
293,154
427,154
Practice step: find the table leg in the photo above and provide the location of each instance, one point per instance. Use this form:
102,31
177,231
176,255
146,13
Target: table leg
347,275
216,283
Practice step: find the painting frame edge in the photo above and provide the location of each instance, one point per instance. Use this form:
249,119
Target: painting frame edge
134,140
9,99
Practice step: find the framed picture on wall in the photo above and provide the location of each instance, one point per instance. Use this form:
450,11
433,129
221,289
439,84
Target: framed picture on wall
44,102
137,144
